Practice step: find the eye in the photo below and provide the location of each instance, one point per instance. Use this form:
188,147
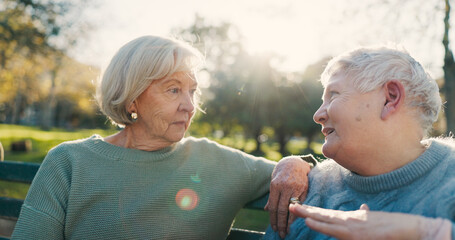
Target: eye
174,90
332,94
193,91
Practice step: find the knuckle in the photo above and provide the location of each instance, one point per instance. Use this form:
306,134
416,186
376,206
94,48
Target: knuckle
274,184
281,227
282,211
271,209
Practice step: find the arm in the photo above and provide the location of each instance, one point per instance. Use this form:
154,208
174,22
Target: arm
43,212
289,179
365,224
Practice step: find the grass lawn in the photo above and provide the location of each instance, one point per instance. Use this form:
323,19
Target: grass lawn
42,141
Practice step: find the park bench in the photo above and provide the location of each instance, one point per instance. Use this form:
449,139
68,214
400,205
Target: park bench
24,173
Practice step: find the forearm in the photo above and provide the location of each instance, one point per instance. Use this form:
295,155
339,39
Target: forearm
436,228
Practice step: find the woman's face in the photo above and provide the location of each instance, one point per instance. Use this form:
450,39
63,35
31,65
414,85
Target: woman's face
349,121
166,107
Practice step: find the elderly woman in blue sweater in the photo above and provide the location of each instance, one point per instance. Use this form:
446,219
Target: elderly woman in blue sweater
149,181
378,105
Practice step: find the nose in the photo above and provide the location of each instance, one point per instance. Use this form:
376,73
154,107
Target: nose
187,103
320,116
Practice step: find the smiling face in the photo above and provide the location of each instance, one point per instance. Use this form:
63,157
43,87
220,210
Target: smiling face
166,107
350,121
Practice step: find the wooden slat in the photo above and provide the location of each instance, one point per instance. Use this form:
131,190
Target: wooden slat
242,234
258,204
7,227
10,207
18,171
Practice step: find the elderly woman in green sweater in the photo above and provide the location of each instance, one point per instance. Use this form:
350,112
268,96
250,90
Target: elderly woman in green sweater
148,181
378,105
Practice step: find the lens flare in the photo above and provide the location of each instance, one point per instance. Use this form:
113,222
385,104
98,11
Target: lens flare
187,199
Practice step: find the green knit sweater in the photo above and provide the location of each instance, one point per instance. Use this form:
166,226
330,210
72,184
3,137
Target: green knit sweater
90,189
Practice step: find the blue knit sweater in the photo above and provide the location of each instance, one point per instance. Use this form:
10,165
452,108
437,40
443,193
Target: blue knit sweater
425,187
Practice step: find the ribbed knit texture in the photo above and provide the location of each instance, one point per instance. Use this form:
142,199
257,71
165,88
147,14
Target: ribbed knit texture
90,189
424,187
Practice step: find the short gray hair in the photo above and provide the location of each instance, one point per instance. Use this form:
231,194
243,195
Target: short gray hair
135,66
370,68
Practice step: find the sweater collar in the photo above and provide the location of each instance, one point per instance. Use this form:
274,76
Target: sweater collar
98,145
401,176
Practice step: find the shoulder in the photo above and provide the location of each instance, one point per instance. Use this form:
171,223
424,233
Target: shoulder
442,144
326,169
443,151
79,143
64,151
205,142
443,174
326,177
218,152
206,145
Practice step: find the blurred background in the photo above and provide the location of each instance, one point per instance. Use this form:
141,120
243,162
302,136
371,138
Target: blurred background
260,83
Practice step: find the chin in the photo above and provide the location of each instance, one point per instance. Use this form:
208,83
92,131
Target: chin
327,152
176,137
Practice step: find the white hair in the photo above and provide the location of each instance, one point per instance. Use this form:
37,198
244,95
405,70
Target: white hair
135,66
370,68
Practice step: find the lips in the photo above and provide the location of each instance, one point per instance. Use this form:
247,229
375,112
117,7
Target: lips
327,131
180,122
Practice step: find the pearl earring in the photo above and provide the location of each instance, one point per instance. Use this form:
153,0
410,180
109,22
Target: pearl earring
134,116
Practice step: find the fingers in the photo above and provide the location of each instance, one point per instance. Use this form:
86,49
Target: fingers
364,207
320,220
320,214
304,194
333,230
272,207
292,217
282,214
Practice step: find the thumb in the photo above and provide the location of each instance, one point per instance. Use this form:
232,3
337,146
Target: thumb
364,207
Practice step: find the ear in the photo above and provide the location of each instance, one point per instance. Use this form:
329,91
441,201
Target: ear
394,96
132,108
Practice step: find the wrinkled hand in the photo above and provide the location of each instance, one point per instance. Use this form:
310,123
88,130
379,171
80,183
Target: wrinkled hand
360,224
289,179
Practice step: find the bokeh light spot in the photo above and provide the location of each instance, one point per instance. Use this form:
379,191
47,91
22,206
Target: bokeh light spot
187,199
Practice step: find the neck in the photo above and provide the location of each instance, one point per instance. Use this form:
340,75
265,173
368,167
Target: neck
396,156
131,137
391,150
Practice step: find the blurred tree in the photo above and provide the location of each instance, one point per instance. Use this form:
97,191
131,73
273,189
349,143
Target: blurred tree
240,84
449,73
221,46
36,33
32,27
258,90
247,90
297,97
74,104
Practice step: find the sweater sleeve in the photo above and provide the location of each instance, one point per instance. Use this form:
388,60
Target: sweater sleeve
43,212
260,170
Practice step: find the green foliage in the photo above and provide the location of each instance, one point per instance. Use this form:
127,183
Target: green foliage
246,90
42,141
35,75
255,220
28,27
